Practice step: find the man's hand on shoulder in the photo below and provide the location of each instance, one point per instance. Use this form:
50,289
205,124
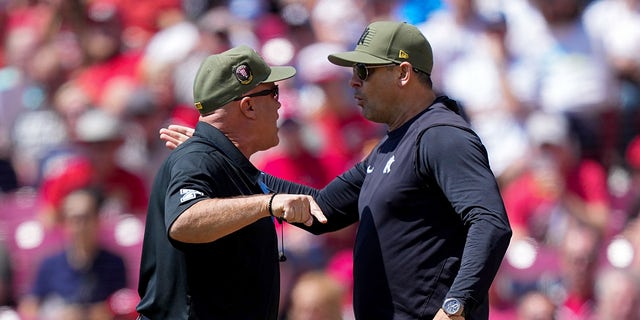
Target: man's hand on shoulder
174,135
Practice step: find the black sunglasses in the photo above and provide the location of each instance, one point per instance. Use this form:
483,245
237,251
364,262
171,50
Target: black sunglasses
361,70
273,91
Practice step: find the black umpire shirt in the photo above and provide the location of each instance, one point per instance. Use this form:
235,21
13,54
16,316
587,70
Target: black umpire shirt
234,277
432,223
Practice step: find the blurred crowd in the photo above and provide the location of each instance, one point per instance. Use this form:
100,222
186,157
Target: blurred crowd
552,87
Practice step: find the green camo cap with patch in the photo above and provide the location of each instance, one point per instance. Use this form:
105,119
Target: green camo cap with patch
228,75
383,42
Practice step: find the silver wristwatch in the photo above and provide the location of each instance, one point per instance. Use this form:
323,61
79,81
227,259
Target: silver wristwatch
453,307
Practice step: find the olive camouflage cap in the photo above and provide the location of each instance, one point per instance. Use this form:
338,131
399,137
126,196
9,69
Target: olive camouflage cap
228,75
383,42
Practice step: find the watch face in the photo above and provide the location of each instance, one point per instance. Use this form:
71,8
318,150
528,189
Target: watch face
452,306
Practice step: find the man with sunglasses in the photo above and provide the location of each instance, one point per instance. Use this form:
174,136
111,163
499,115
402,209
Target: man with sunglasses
432,227
210,247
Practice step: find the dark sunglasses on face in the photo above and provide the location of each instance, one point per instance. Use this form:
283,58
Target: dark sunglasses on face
273,91
361,70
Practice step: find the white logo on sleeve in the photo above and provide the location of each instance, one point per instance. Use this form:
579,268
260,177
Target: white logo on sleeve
369,169
189,194
387,167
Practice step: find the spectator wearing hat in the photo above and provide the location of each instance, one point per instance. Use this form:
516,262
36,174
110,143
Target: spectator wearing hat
93,161
210,246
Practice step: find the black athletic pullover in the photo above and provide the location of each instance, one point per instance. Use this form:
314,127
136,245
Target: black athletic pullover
432,221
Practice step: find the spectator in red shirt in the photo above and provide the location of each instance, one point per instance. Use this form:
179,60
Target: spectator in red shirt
343,133
96,164
293,160
558,185
108,63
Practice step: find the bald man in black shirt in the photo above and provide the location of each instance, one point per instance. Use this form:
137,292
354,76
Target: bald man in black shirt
210,246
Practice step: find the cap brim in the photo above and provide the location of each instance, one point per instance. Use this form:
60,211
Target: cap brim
348,59
280,73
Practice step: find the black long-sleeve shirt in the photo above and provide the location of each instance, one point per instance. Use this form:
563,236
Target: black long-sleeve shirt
432,221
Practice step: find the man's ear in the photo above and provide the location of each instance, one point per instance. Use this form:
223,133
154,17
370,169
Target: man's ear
405,73
247,108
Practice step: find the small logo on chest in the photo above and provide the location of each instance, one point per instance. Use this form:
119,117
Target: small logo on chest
387,167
